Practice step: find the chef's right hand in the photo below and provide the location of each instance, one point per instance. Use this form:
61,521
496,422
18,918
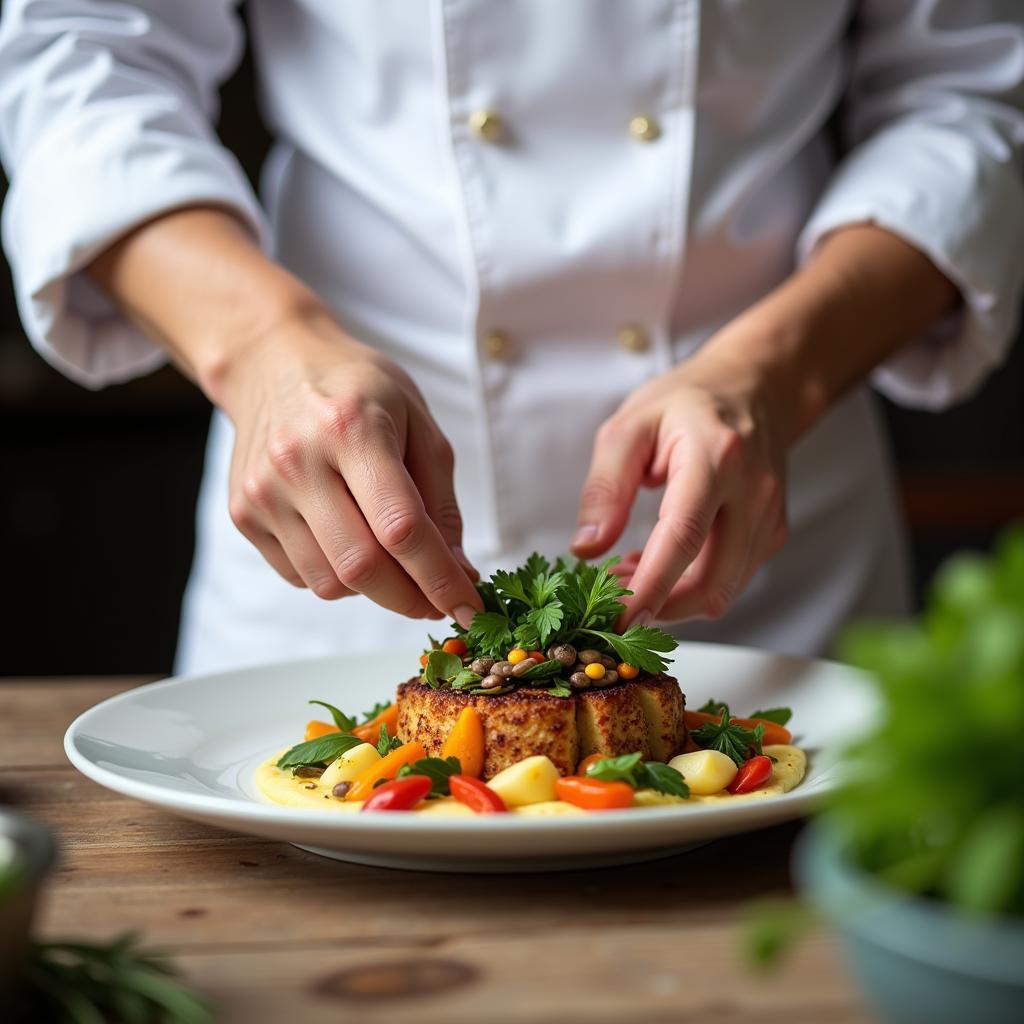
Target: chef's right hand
341,477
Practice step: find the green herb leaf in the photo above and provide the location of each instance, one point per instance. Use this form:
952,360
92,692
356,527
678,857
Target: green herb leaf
732,740
511,586
639,646
546,619
341,720
560,689
780,716
441,667
616,769
662,777
464,679
319,751
640,774
490,633
438,770
526,635
386,743
545,670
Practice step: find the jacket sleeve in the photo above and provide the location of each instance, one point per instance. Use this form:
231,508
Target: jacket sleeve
934,119
106,111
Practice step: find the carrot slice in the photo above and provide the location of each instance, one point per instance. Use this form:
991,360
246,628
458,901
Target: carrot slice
466,742
385,769
369,732
315,729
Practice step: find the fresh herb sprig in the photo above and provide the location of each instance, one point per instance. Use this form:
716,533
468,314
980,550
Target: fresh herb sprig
730,738
325,749
640,774
565,602
77,981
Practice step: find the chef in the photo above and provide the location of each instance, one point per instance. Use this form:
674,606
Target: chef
526,275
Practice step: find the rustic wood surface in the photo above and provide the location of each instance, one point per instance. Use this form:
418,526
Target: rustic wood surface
270,933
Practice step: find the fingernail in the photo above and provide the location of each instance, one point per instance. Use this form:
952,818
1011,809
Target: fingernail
586,533
644,617
463,615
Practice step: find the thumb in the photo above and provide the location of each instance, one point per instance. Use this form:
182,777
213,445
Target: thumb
622,451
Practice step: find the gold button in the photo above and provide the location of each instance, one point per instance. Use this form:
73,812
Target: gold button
633,338
487,125
644,128
495,344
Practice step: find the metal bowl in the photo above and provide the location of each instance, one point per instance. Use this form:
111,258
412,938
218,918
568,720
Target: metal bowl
27,852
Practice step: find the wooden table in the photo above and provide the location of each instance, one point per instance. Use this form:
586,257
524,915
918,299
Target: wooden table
271,933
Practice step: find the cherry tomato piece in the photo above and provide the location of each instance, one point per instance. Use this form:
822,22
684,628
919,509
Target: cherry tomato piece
594,794
398,794
752,774
455,646
475,795
584,765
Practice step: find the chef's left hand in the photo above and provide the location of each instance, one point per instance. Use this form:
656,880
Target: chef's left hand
710,432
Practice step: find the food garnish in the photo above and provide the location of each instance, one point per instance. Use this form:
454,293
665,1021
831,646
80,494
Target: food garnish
466,742
731,738
548,626
324,742
384,770
438,769
639,774
594,794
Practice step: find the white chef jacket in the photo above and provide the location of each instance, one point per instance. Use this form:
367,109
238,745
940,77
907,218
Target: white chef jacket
534,207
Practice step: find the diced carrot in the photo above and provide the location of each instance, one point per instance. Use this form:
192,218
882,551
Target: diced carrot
773,733
466,742
386,768
315,729
369,732
594,794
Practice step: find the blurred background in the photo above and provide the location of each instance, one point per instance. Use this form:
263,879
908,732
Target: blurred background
97,490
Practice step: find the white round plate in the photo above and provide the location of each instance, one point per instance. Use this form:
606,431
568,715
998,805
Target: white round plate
191,745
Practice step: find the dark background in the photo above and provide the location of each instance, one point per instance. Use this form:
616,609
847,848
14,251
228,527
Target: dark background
97,490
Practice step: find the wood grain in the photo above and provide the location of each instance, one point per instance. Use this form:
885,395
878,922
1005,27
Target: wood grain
273,933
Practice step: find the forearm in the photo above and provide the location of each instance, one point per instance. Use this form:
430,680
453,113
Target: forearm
865,295
196,282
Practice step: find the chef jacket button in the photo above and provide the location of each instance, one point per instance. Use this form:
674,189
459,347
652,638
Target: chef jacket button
495,344
487,125
633,338
644,128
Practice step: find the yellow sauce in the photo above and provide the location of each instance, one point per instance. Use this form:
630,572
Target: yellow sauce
279,786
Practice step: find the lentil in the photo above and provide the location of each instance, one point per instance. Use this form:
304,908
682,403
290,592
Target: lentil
608,661
502,668
595,670
491,682
564,654
579,680
482,666
309,771
589,657
627,671
516,655
340,789
522,667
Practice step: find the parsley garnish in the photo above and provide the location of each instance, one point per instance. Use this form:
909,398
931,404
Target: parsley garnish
640,774
780,716
731,739
540,604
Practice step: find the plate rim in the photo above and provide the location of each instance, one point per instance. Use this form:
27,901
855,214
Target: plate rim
206,806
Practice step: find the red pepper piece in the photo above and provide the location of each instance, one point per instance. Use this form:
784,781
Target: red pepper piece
752,774
475,795
398,794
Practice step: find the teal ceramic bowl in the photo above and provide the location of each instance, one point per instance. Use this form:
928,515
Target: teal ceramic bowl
919,961
26,855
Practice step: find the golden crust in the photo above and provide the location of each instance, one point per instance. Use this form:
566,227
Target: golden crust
662,702
644,714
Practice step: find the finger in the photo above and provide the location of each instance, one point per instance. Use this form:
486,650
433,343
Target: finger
692,498
431,464
622,451
394,511
249,523
716,577
352,552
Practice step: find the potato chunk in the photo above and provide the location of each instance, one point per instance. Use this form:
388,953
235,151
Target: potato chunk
705,771
531,781
349,765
